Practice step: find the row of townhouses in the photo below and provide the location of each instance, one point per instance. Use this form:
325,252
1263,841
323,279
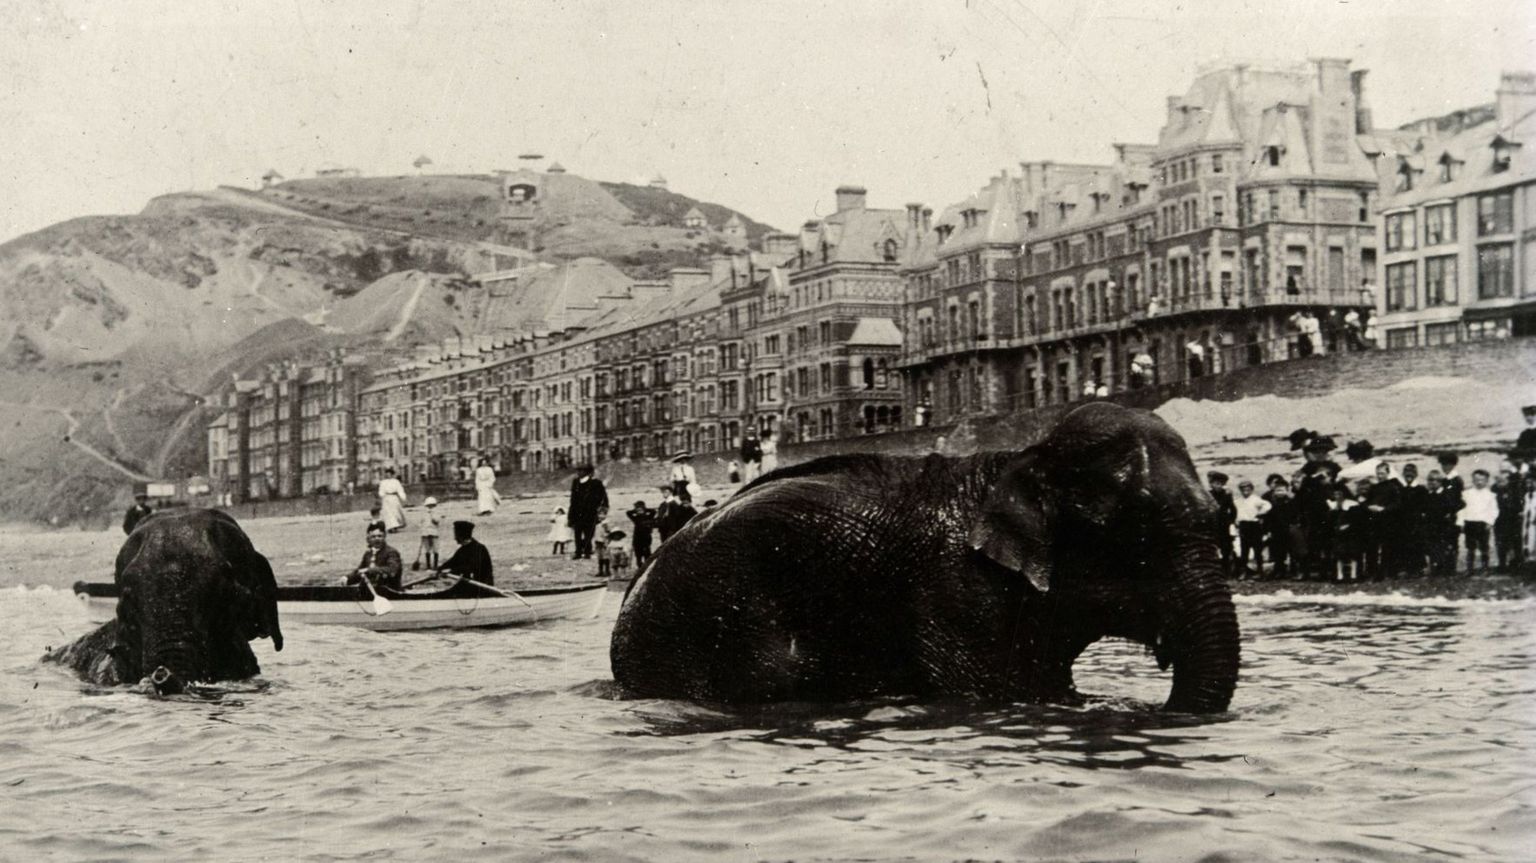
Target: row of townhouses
1269,220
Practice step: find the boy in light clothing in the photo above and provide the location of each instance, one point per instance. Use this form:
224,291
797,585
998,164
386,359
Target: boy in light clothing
1250,527
1480,509
429,532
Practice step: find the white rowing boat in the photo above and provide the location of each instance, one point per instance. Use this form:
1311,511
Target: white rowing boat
463,604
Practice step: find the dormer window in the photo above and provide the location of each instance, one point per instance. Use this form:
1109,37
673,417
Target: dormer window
1405,174
888,250
1503,152
1031,219
1272,155
1450,167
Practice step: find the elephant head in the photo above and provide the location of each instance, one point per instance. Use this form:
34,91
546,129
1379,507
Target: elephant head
192,592
1108,521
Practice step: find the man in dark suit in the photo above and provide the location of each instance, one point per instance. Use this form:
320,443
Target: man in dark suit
380,563
587,497
1228,509
136,513
471,560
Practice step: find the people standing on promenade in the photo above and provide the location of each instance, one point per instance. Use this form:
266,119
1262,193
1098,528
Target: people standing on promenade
1228,510
587,497
559,532
136,512
486,498
751,456
1479,511
392,501
1251,510
426,550
770,450
643,520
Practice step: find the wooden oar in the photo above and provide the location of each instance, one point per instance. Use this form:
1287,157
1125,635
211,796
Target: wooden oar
381,606
511,594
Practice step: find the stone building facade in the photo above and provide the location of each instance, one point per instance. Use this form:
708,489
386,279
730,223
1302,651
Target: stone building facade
1458,223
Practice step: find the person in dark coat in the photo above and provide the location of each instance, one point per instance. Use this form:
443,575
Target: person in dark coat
1278,523
471,559
1527,441
751,457
1412,525
644,520
1312,495
1228,510
587,497
1384,501
136,513
673,513
1441,505
1510,492
381,562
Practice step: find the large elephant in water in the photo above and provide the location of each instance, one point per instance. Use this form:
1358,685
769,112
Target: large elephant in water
193,592
986,576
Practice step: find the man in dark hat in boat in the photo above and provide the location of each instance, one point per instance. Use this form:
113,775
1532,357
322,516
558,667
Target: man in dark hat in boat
380,564
137,512
587,497
1228,509
471,560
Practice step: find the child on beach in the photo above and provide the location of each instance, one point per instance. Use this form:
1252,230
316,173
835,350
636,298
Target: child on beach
1250,527
375,517
1440,510
1479,511
1279,522
429,531
560,533
1349,535
601,541
644,520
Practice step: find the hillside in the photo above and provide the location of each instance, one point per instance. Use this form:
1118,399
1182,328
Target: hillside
114,330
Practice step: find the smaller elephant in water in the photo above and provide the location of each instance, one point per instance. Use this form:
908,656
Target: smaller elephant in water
985,577
193,592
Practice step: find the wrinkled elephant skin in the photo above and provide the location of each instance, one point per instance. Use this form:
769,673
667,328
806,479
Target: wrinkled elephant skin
193,593
981,577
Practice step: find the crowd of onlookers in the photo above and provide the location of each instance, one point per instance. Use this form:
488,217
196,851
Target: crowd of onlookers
1380,519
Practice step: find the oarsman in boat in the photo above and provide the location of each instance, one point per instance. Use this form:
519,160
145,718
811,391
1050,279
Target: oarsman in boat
471,560
136,512
380,563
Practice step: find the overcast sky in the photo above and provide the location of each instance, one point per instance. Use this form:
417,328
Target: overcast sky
761,106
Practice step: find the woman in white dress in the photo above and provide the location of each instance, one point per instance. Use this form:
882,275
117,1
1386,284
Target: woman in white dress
770,451
486,498
392,501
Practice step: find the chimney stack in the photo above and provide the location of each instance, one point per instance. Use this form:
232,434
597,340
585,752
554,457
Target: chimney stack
850,198
1516,97
1363,121
927,219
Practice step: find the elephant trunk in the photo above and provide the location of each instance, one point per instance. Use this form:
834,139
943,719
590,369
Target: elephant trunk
1201,640
166,682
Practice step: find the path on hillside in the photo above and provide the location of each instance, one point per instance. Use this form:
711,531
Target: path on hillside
106,415
172,438
72,440
408,310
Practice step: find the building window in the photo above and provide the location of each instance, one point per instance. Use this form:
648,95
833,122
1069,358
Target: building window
888,250
1400,231
1216,166
1495,271
1274,204
1495,213
1403,337
1439,224
1301,201
1440,282
1402,287
1494,328
1441,334
1218,208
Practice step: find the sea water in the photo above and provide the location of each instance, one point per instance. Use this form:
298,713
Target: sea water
1363,729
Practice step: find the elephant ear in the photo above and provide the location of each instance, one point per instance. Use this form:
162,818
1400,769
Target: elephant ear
253,586
1014,526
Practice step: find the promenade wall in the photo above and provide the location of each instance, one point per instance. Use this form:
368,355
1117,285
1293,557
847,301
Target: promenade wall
1299,378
